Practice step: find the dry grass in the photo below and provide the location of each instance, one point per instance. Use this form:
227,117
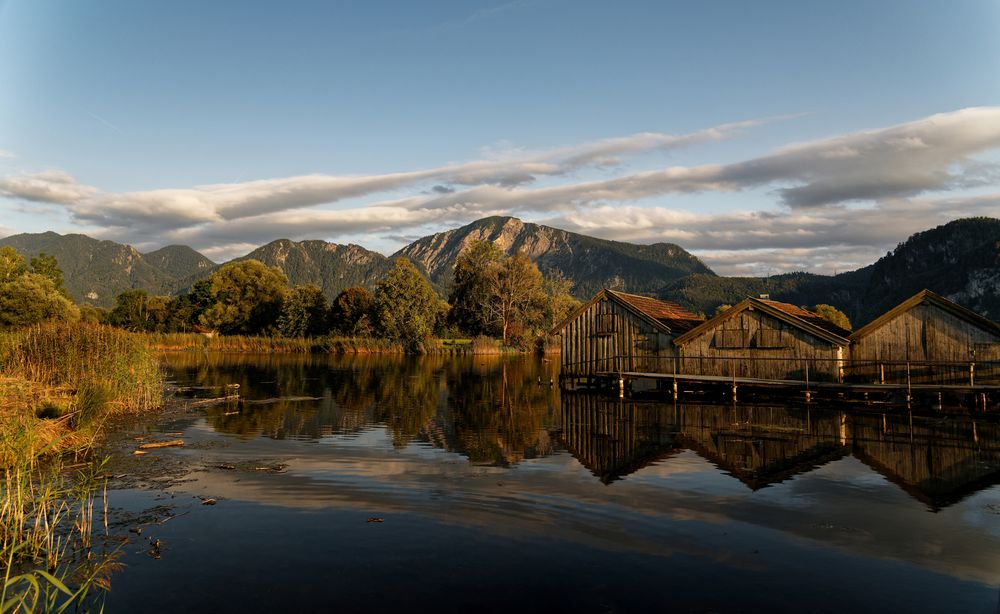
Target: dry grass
58,386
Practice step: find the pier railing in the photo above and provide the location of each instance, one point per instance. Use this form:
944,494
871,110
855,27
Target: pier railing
882,372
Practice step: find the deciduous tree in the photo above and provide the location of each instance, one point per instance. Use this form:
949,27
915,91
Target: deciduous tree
834,315
352,312
304,313
406,305
248,296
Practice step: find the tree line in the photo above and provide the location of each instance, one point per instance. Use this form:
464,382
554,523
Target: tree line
492,294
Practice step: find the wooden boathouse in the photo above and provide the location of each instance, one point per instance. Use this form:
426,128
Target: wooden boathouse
616,331
927,345
764,339
927,339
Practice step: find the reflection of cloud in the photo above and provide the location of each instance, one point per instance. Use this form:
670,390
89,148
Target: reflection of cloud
865,189
556,498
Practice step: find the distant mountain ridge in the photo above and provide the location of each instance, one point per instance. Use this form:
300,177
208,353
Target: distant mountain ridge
330,266
95,271
592,264
960,260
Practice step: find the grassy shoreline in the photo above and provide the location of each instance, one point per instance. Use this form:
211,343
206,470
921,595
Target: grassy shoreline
195,342
59,385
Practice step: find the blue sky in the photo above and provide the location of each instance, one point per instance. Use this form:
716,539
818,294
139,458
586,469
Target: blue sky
226,125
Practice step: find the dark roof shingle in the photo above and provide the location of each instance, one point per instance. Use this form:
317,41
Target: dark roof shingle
671,315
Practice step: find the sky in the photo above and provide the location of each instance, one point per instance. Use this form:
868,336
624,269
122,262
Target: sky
764,137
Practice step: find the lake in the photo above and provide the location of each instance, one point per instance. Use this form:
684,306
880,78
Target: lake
455,484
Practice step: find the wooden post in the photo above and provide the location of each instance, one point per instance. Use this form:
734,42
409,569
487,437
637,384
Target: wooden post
972,374
908,391
808,394
881,372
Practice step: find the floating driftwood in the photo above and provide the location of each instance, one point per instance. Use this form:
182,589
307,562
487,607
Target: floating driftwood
215,401
173,443
281,400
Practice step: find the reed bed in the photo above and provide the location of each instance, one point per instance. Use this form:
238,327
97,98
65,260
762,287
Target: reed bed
58,385
179,342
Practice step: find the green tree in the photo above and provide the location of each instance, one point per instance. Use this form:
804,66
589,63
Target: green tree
12,264
32,298
248,297
721,308
559,302
184,310
137,311
46,265
406,305
516,295
834,315
92,315
475,268
304,313
352,312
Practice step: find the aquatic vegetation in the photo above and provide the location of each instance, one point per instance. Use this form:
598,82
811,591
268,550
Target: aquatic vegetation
60,384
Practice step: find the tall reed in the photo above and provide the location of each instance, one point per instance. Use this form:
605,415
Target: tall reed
58,385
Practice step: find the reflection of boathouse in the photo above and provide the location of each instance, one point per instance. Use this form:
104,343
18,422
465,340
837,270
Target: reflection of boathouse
938,462
613,438
763,445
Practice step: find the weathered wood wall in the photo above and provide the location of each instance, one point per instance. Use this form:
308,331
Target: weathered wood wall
926,333
589,347
798,351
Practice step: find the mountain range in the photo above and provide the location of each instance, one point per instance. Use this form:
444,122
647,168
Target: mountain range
960,260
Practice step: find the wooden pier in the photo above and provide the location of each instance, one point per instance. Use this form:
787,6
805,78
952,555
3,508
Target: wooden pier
898,382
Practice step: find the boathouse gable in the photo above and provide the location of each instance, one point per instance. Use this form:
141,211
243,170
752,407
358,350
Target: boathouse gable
764,339
616,331
927,328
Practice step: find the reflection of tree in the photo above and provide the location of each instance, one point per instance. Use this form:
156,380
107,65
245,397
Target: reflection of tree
497,412
406,397
490,408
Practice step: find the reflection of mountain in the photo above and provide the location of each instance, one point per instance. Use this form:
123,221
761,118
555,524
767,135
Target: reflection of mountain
614,437
937,461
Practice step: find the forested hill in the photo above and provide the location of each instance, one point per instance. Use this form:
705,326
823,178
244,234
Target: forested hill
592,264
96,271
329,266
179,261
960,260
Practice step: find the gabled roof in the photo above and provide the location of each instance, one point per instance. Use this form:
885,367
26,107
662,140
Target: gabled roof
808,316
930,298
783,311
666,316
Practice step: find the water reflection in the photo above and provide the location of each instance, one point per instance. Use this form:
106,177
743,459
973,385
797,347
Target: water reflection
493,410
938,460
487,477
498,411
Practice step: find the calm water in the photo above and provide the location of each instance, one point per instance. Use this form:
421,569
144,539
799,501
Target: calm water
496,493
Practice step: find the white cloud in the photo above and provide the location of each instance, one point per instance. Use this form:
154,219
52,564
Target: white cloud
837,199
6,154
52,186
